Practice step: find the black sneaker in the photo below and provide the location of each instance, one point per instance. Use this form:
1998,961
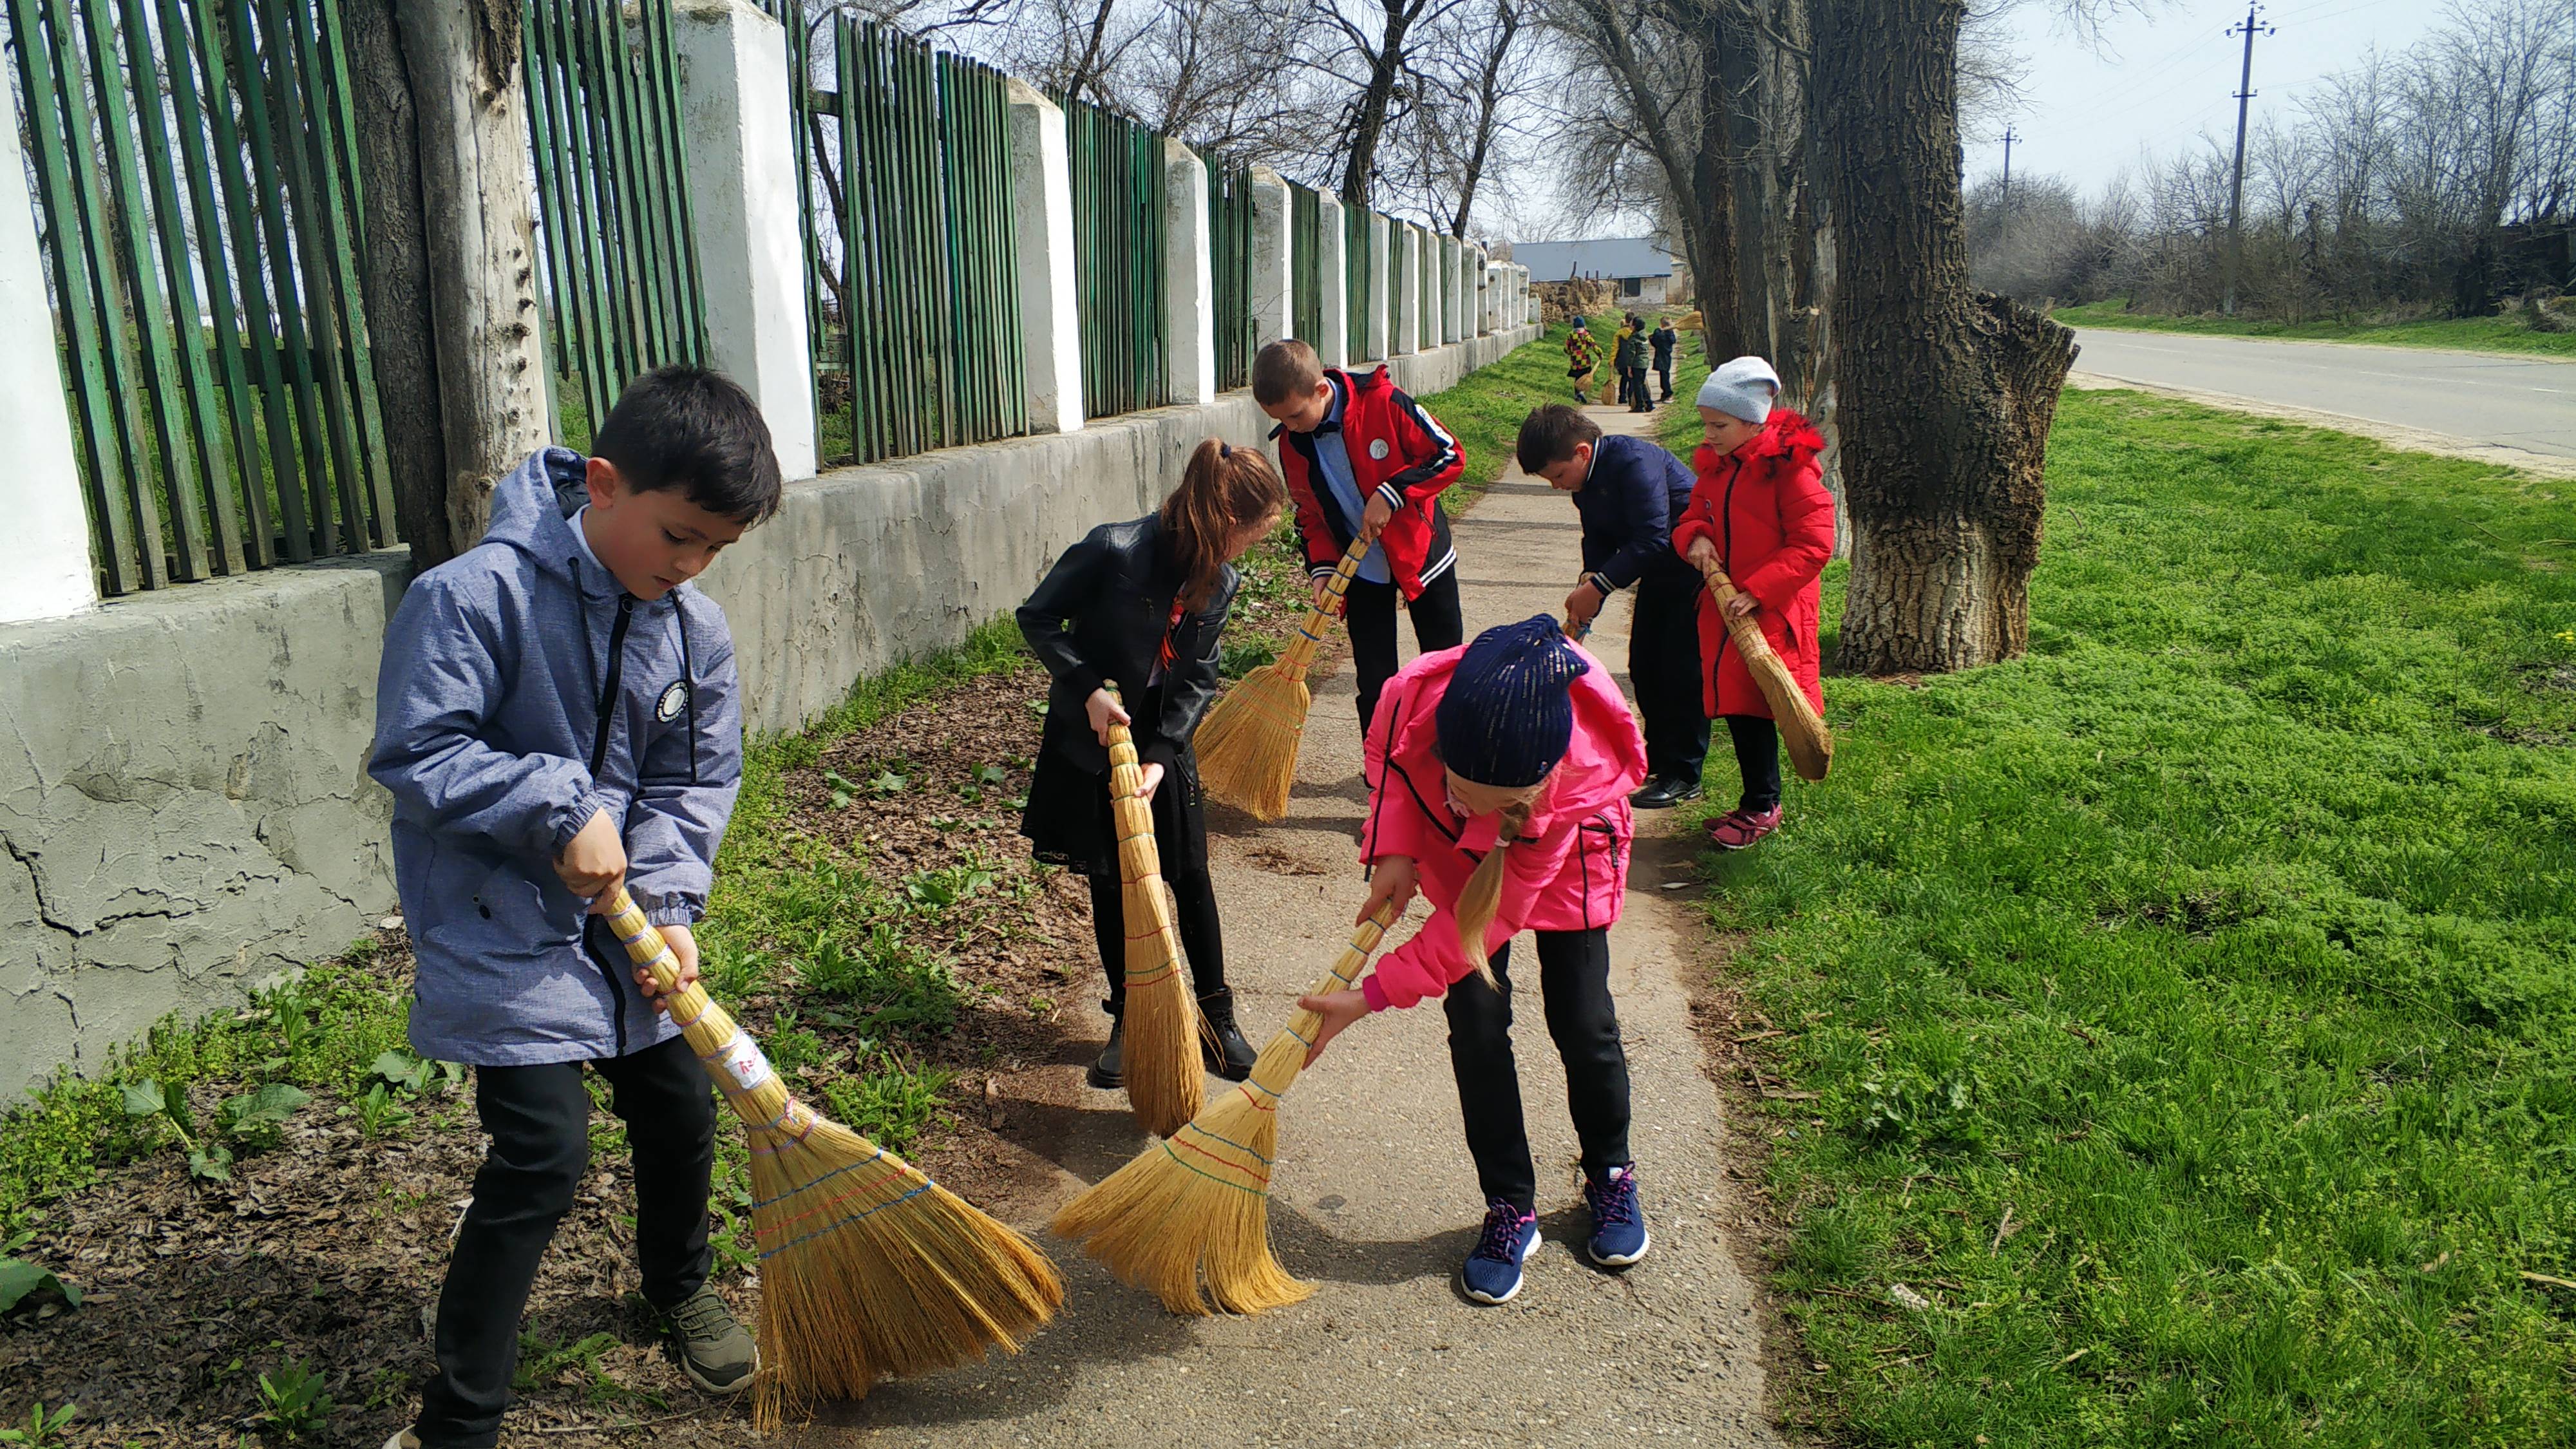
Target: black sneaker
715,1351
1228,1055
1664,794
1109,1071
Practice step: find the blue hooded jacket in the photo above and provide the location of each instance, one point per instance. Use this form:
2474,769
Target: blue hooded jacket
1636,492
522,690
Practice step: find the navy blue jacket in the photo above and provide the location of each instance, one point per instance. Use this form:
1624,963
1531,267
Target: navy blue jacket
1635,494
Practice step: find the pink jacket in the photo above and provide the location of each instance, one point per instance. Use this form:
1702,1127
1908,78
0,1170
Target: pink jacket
1570,868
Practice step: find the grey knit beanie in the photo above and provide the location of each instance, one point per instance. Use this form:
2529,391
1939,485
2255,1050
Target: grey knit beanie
1743,389
1508,714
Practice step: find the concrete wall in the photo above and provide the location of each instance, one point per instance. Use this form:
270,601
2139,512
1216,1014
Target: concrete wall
185,814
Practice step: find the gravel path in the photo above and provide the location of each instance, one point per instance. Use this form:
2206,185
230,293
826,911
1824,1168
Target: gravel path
1375,1197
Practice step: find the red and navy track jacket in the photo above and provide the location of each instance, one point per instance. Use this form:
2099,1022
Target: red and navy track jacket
1399,451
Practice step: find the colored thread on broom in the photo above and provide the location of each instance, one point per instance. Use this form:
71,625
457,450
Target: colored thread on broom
1261,1191
856,1193
818,1182
843,1223
1261,1177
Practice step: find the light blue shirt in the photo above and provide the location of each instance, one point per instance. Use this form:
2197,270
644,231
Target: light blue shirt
582,536
1334,460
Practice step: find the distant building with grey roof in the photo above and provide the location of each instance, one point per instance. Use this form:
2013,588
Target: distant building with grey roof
1640,269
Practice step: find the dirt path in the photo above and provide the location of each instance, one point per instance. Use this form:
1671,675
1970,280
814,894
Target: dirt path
1375,1197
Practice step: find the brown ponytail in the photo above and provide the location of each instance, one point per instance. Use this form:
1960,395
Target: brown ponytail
1484,892
1223,489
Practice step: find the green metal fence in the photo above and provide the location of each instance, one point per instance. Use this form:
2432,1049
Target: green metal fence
1305,263
916,267
199,202
1358,279
619,250
1120,233
1230,257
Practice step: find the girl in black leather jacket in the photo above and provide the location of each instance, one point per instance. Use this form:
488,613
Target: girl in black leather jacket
1140,604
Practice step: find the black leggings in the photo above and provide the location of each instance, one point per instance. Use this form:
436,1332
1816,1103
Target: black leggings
1757,758
1194,914
1574,988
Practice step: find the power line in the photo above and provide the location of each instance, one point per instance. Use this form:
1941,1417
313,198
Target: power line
2236,187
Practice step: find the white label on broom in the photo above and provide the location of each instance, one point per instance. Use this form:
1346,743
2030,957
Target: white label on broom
743,1062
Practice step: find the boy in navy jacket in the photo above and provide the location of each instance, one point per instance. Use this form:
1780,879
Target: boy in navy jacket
1362,459
1630,492
557,716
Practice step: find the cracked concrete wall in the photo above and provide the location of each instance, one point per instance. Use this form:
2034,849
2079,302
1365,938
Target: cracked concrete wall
186,815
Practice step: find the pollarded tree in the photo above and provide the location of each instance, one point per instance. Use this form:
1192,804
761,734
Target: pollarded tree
1946,394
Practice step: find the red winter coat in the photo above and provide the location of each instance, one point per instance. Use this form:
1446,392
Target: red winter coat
1765,507
1398,451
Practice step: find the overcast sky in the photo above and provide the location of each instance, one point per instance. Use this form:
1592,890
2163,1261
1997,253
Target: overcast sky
2154,82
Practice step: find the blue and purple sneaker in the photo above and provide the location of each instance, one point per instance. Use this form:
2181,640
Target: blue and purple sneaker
1493,1271
1619,1235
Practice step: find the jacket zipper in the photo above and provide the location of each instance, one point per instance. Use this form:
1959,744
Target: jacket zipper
599,757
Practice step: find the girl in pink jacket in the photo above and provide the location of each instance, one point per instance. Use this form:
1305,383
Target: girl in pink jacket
1499,776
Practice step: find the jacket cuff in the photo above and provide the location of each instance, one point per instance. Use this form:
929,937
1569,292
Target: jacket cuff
567,823
1393,495
1602,581
1375,993
1083,680
676,911
1319,571
1163,753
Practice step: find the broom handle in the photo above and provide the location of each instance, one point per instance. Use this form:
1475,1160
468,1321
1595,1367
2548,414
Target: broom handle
1810,744
732,1058
1345,971
1319,620
1138,857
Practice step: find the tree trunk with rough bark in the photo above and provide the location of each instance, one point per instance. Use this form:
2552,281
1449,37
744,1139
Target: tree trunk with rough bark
1386,62
467,201
1945,396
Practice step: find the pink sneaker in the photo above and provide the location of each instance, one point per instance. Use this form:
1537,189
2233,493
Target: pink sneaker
1738,829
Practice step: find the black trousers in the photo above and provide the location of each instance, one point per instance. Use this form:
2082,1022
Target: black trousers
1194,918
1574,986
1664,375
1663,664
1368,610
1636,389
539,1122
1757,757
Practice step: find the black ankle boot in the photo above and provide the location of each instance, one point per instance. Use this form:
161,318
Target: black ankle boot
1109,1071
1229,1055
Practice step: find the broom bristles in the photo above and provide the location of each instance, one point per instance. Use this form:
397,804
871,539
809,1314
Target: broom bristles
1247,745
1165,1083
867,1268
1189,1218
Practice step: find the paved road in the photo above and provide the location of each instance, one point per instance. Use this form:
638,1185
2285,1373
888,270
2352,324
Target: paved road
1375,1197
2494,406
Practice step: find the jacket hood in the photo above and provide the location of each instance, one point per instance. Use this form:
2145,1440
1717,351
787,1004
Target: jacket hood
1784,435
532,510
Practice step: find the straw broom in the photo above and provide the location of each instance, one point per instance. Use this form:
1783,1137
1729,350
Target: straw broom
1194,1209
1165,1085
1802,730
1247,744
867,1268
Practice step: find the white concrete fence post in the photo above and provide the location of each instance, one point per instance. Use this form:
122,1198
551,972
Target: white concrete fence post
1454,326
1189,279
750,231
1050,321
1332,278
1273,277
1434,325
1381,284
1406,258
49,566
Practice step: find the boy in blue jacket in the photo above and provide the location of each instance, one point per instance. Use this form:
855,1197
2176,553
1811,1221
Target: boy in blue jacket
556,716
1630,492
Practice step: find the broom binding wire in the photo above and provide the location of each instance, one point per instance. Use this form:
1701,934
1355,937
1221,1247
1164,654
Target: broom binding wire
1189,1218
868,1269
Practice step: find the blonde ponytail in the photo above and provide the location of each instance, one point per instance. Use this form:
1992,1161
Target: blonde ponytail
1484,891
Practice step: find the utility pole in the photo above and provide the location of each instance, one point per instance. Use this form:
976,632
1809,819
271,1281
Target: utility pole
2009,138
2236,188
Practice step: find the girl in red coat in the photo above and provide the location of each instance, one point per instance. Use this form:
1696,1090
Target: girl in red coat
1760,512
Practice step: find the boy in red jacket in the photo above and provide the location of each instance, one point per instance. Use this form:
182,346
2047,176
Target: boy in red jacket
1760,512
1364,460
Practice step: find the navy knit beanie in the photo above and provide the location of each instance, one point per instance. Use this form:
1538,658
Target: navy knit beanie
1509,712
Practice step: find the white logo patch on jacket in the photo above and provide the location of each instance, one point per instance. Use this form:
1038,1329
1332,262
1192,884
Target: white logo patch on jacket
674,700
1377,449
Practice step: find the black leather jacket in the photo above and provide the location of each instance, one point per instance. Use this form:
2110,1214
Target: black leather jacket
1099,617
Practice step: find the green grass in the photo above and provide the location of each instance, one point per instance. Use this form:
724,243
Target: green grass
2472,334
1483,411
2223,944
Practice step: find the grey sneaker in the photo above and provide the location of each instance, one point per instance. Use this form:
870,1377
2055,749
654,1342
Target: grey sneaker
715,1351
403,1439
